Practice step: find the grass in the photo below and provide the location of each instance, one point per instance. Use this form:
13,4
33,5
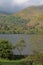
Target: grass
37,64
11,62
15,62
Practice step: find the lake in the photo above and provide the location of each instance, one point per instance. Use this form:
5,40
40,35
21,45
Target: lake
14,39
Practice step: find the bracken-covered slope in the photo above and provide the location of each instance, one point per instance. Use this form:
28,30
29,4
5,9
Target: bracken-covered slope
34,14
28,21
31,11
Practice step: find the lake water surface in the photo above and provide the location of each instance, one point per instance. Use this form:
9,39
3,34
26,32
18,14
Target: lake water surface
14,39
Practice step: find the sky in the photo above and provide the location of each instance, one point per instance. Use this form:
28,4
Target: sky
16,5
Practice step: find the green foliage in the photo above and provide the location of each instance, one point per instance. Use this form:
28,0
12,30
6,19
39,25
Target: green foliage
6,48
18,25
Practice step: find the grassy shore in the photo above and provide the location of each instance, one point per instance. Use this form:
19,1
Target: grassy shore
11,62
15,62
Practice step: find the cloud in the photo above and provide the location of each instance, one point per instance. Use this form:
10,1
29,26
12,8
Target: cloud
10,5
36,2
19,2
14,5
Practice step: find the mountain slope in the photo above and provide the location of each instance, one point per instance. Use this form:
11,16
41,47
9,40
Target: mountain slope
34,13
31,11
27,21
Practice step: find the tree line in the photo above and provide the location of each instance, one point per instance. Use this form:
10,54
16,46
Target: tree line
19,25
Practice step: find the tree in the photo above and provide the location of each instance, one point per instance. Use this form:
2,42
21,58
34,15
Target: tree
6,48
20,46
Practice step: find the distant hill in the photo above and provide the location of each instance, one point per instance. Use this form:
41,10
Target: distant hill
28,21
34,13
31,11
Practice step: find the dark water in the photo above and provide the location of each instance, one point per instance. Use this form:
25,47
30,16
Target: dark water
14,39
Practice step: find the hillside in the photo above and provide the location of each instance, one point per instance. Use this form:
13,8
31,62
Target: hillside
34,14
31,11
27,21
